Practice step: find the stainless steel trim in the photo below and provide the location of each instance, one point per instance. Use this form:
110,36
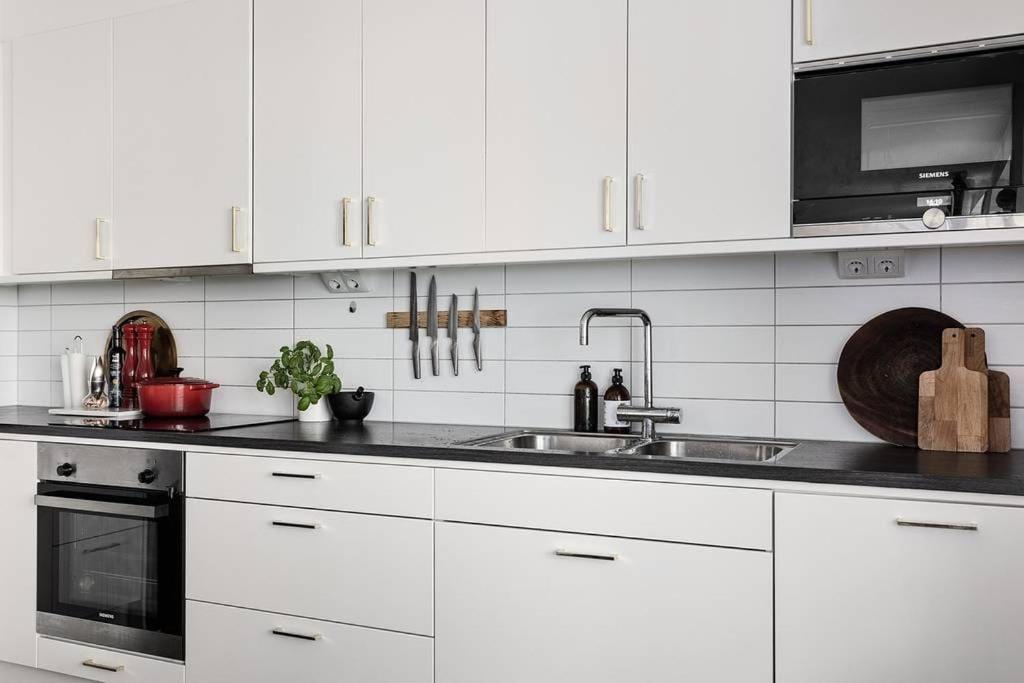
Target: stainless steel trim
607,184
953,526
299,636
371,237
911,53
1000,220
809,22
640,222
182,271
236,243
296,525
135,640
294,475
345,241
111,465
113,668
586,556
102,507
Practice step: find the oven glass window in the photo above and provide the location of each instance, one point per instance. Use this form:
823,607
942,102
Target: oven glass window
944,128
107,568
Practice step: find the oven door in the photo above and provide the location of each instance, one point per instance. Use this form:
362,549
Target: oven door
890,142
110,567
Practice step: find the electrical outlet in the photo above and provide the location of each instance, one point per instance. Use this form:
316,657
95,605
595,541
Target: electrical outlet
866,265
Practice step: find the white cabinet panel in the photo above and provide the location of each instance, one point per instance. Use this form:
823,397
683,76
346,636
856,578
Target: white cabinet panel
840,28
709,120
511,608
230,645
105,666
556,123
307,202
18,569
860,597
61,165
423,126
182,135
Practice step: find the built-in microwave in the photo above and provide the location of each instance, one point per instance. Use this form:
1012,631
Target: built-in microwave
908,145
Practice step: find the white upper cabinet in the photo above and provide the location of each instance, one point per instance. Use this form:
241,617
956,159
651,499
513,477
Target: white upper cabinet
423,126
556,123
61,166
182,135
825,29
307,140
709,120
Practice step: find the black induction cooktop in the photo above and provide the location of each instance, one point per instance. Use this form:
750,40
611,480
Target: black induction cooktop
207,423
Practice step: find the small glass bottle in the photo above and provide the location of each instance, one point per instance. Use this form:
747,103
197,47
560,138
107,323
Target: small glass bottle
115,368
616,396
585,403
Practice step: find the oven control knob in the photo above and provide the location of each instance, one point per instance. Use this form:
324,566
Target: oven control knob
934,218
65,470
147,476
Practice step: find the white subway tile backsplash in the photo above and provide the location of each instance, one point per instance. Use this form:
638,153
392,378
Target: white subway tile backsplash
558,377
190,343
537,410
709,307
34,369
559,278
709,344
984,303
835,305
983,264
806,382
9,369
741,271
94,342
88,293
33,393
186,315
249,315
1004,344
240,372
458,280
828,421
246,343
33,318
247,400
373,374
471,408
811,344
79,317
563,343
821,269
33,343
490,380
34,295
730,418
339,313
564,310
747,381
351,343
248,287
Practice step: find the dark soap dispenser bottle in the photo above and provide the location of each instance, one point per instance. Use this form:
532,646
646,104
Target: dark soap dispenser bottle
585,403
616,396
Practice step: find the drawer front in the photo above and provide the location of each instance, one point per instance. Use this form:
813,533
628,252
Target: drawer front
684,513
231,645
348,487
97,664
358,569
517,605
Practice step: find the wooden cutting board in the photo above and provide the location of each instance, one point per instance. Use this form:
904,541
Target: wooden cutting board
998,391
953,401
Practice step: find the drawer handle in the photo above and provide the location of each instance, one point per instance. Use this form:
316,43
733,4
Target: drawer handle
294,475
296,525
586,556
292,634
113,668
954,526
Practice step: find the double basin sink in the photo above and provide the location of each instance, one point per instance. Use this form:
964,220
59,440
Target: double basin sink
661,448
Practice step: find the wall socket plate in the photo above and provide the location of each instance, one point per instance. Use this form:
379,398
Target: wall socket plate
868,265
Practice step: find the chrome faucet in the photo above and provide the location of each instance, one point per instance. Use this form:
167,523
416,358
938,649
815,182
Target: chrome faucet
647,415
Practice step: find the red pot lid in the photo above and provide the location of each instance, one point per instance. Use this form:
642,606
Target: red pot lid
194,382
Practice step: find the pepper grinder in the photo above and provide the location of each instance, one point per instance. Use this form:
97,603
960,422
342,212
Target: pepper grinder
144,363
131,358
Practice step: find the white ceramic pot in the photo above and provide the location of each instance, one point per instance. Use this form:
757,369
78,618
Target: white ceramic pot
317,412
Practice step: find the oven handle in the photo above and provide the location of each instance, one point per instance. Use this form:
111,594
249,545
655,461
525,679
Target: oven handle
102,507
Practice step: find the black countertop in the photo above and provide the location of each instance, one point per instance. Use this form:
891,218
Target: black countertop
827,462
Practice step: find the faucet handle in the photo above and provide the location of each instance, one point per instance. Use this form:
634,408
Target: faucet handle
628,413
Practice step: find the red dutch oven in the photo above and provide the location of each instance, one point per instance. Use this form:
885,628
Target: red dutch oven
175,396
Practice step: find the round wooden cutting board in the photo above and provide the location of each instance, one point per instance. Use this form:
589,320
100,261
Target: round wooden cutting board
880,367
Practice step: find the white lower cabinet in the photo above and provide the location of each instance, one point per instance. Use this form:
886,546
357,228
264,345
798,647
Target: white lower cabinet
359,569
231,645
897,591
18,567
98,664
516,605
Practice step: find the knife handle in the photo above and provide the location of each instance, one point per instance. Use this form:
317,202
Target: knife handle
455,357
477,352
416,360
435,363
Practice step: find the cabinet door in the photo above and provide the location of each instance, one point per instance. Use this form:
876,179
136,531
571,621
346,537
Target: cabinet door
840,28
556,123
182,135
18,569
61,164
423,126
307,138
709,120
878,590
515,605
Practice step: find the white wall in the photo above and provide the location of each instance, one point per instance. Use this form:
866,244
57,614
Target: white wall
746,345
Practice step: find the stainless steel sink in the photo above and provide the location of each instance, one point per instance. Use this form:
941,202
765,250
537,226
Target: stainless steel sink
663,448
714,449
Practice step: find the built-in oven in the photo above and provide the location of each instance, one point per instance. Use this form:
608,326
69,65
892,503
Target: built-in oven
110,568
903,145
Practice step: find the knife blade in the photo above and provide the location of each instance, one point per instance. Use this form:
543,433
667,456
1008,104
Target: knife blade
435,364
477,351
414,327
453,332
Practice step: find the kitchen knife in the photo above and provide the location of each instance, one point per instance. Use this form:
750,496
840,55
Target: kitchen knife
477,351
453,332
414,326
435,364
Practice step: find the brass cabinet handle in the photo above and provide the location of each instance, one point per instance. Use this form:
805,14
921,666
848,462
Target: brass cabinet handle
953,526
586,556
236,242
293,634
113,668
638,202
608,227
100,256
371,237
809,22
345,241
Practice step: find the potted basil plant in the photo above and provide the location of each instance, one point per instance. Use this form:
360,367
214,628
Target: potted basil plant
309,374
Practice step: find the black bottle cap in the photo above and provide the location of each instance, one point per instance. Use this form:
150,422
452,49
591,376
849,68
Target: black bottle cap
617,376
585,375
